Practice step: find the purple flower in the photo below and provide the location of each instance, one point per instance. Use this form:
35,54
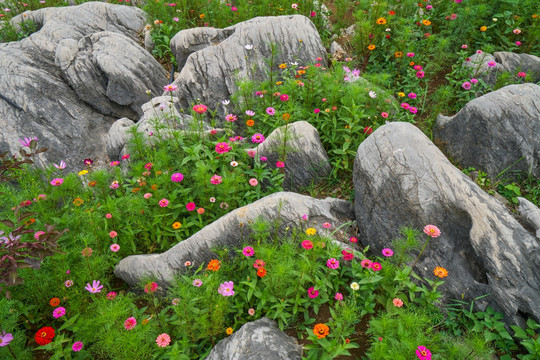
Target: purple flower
177,177
61,166
226,289
270,111
95,287
59,312
26,141
5,338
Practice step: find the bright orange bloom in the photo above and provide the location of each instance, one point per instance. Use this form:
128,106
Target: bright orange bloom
483,28
398,54
381,21
250,122
176,225
214,265
371,47
135,190
229,331
301,72
154,187
440,272
286,116
92,183
54,302
411,63
321,330
282,66
426,22
261,272
392,13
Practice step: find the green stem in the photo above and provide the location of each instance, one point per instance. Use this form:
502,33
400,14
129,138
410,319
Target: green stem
11,351
418,257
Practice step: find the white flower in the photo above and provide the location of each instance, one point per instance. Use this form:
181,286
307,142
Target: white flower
248,47
225,102
388,29
372,94
294,6
294,63
234,164
355,286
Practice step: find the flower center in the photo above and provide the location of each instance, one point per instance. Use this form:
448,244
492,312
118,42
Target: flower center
423,353
43,334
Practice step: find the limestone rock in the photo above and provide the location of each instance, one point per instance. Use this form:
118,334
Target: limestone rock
306,160
284,209
523,62
402,179
117,137
260,339
493,132
216,58
530,215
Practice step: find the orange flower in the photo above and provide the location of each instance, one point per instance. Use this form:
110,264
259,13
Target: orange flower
426,22
440,272
483,28
411,63
92,183
200,211
154,187
398,54
176,225
142,183
261,272
135,190
54,302
381,21
214,265
229,331
250,122
282,66
321,330
145,321
371,47
301,72
159,172
78,202
286,116
201,16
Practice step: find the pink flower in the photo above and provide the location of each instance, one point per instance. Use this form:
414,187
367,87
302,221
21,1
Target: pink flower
474,81
114,163
95,287
190,206
368,130
57,181
423,352
280,164
253,182
111,295
516,31
114,185
226,289
387,252
59,312
200,108
216,179
170,87
466,85
384,114
38,234
307,244
492,64
284,97
68,283
163,202
257,138
313,14
458,1
259,264
397,302
113,234
348,256
464,46
270,111
150,288
453,17
353,239
115,247
413,110
432,230
338,296
222,148
316,111
410,54
405,106
233,8
412,95
332,263
231,118
77,346
251,311
366,263
108,215
148,166
519,74
177,177
375,266
420,74
130,323
251,153
197,282
163,340
248,251
147,195
518,43
429,7
327,225
312,293
175,301
417,67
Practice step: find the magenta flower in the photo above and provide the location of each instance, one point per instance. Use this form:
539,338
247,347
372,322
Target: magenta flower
384,114
432,230
312,293
420,74
95,287
151,287
59,312
492,63
200,108
327,225
230,118
177,177
190,206
280,164
365,263
130,323
226,289
68,283
474,81
348,256
57,181
248,251
197,282
332,263
114,163
521,74
38,234
353,239
466,85
216,179
413,110
111,295
222,148
284,97
77,346
338,296
115,247
307,244
405,106
163,203
125,156
423,352
387,252
410,54
270,110
316,111
518,43
26,141
375,266
412,95
257,138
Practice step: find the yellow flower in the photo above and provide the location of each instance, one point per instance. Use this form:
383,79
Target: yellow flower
327,110
371,47
483,28
311,231
176,225
279,82
83,172
381,21
229,330
283,66
426,22
401,94
202,16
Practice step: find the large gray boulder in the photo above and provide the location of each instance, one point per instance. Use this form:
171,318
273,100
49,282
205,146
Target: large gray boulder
70,110
493,132
212,60
283,209
256,340
402,179
306,161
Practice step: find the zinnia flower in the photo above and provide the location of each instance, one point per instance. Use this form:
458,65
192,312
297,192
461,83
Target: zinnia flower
163,340
111,295
44,335
77,346
54,302
257,138
423,353
397,302
466,85
365,263
311,231
226,289
229,331
222,148
150,288
248,251
197,282
280,164
261,272
312,293
270,111
170,87
375,266
163,202
355,286
440,272
253,182
251,311
200,108
332,263
115,247
57,181
338,296
216,180
259,264
321,330
59,312
213,265
130,323
387,252
177,177
306,244
432,230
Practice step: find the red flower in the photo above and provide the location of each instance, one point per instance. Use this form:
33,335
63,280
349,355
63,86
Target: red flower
261,272
44,335
392,13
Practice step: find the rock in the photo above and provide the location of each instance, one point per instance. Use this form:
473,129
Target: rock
530,215
148,42
402,179
117,137
306,160
232,230
337,52
478,63
493,132
519,62
260,339
216,58
72,128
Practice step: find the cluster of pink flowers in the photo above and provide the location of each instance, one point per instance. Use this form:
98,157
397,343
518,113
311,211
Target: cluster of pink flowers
216,180
226,289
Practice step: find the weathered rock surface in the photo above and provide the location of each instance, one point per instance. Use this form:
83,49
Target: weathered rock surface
530,215
50,97
478,63
260,339
216,58
523,62
306,160
401,178
117,137
232,230
493,132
